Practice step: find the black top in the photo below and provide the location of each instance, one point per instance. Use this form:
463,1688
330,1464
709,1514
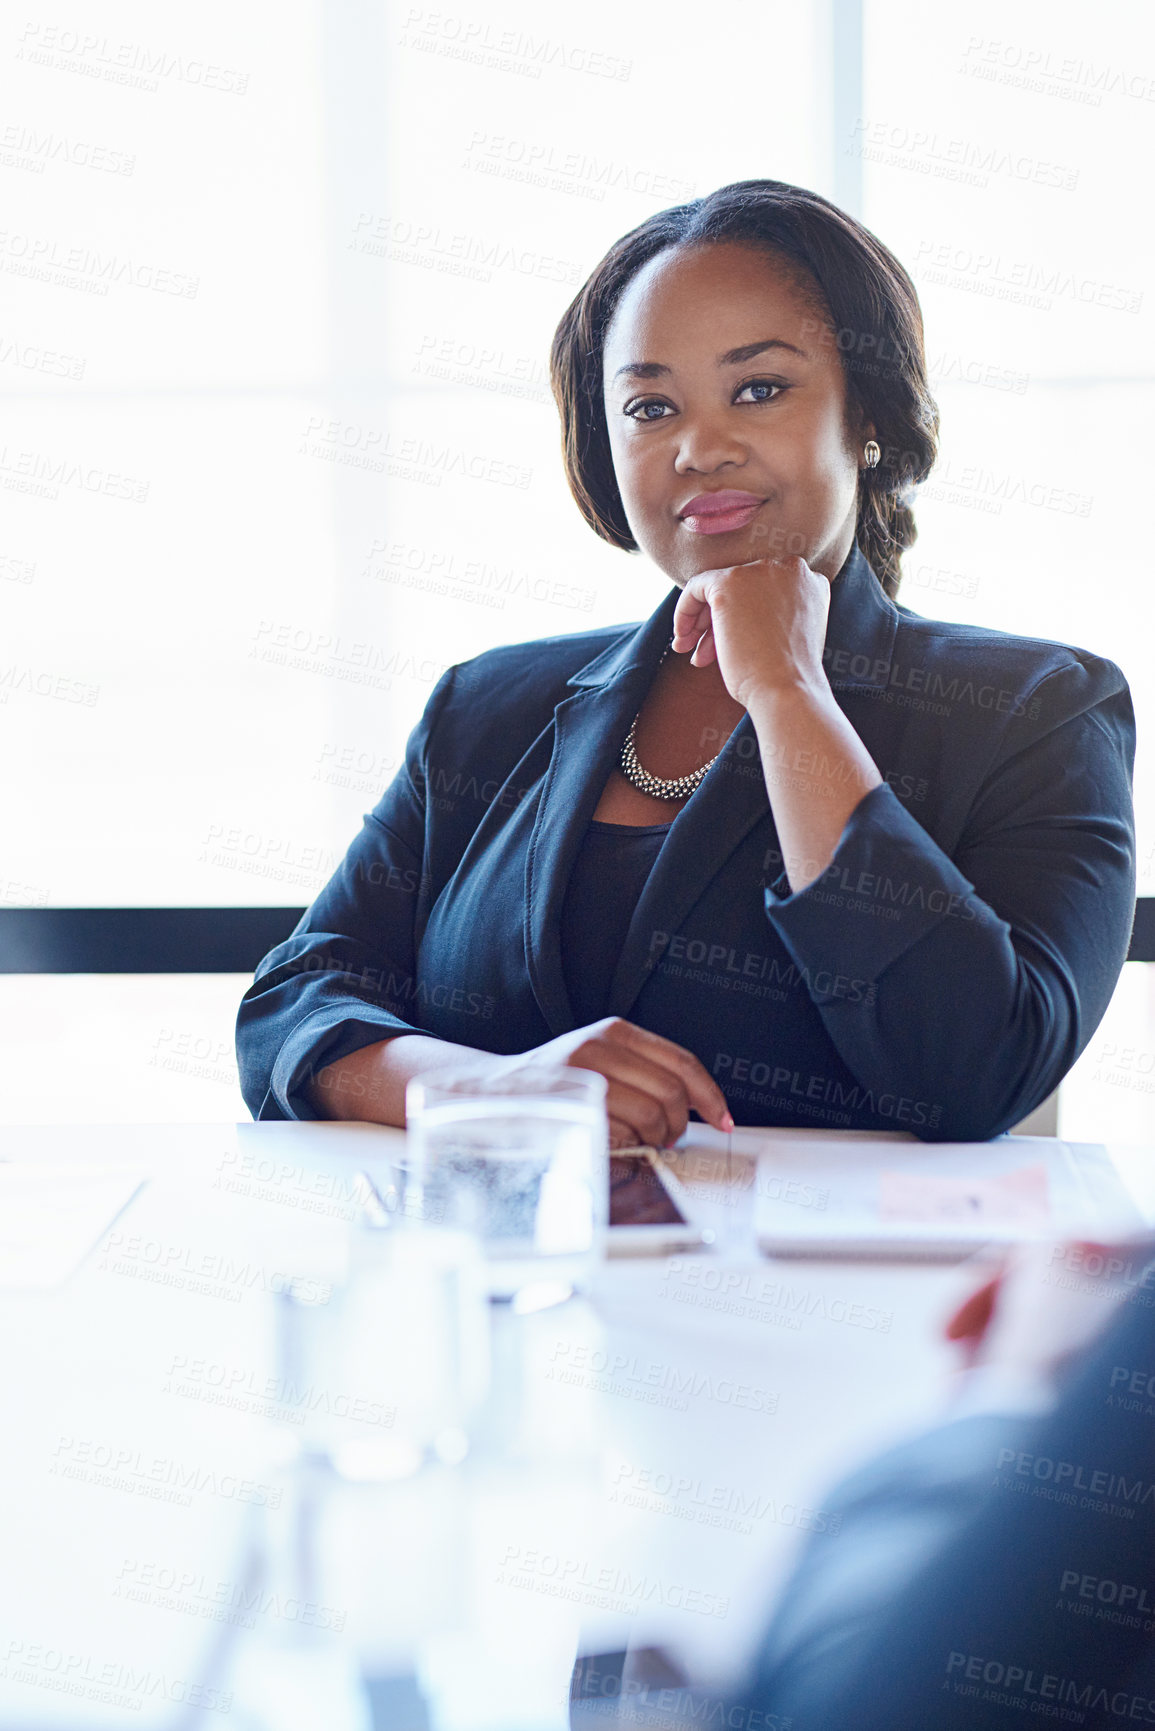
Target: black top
612,864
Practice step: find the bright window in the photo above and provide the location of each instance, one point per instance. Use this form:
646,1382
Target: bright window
278,443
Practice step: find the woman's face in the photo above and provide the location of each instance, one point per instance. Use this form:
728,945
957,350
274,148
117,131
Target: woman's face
687,417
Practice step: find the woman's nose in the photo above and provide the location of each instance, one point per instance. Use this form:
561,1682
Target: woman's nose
705,444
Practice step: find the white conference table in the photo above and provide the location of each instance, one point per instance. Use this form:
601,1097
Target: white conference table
651,1457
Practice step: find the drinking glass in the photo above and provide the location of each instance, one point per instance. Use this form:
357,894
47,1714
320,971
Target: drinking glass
380,1373
519,1158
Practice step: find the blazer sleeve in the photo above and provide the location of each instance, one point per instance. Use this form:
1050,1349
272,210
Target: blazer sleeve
992,968
344,977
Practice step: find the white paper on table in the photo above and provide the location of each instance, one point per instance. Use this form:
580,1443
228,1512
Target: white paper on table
1020,1197
52,1215
823,1197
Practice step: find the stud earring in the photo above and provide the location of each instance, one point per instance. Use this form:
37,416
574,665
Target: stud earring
872,451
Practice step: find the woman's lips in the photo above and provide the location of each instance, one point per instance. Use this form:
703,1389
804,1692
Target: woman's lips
722,522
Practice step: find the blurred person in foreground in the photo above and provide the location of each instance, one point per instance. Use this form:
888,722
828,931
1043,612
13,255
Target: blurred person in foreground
996,1570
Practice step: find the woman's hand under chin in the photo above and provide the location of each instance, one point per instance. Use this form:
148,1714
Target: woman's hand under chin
764,623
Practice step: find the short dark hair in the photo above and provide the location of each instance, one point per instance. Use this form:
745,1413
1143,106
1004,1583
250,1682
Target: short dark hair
874,318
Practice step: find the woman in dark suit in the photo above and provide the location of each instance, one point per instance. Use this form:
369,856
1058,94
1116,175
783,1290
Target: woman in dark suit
785,850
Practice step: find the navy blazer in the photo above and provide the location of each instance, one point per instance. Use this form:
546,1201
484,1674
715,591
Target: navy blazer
940,977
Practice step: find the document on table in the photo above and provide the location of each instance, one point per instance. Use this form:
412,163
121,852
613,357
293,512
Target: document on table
938,1201
52,1215
1020,1197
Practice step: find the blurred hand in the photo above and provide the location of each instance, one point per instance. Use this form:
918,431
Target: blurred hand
1047,1301
651,1082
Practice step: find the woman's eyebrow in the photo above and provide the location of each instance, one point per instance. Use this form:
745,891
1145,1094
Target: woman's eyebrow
731,358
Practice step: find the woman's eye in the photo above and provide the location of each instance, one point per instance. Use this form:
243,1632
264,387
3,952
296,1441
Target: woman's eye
638,411
762,385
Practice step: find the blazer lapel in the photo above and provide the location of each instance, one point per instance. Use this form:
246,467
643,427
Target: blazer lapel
589,728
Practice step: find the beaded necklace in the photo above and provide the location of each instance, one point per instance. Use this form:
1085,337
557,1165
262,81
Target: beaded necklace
660,787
